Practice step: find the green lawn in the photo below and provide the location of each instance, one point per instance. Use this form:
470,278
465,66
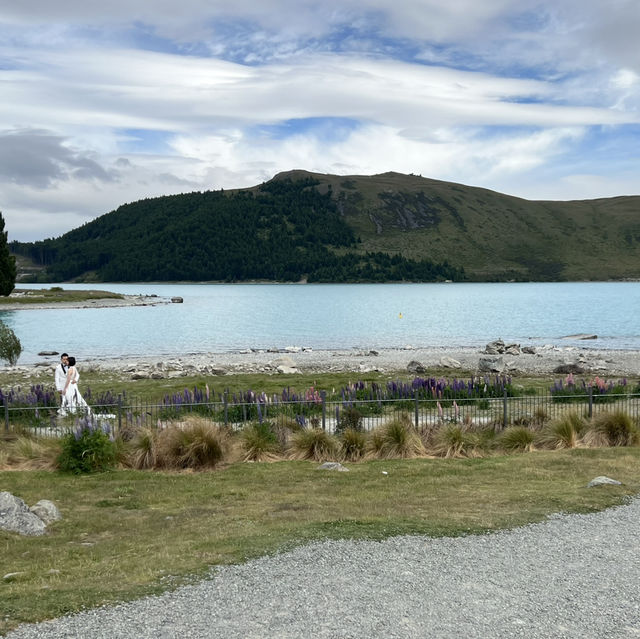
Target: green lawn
126,534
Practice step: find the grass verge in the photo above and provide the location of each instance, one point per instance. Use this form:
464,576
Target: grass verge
127,534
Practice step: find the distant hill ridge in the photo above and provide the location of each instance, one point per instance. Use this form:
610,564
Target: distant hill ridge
309,226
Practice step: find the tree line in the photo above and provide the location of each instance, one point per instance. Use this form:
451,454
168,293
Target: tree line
284,231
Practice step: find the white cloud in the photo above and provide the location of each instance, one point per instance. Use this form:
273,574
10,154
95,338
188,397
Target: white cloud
105,103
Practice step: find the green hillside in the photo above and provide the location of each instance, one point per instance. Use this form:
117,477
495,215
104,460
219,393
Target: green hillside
493,236
387,227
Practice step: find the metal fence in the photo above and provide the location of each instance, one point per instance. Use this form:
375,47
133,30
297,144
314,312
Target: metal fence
330,415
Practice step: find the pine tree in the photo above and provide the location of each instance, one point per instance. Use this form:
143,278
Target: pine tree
7,263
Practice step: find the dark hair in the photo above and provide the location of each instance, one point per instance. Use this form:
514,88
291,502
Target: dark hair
64,355
72,361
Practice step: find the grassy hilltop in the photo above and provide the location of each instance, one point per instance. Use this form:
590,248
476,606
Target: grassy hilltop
387,227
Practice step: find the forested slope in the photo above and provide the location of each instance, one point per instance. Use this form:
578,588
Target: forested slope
285,230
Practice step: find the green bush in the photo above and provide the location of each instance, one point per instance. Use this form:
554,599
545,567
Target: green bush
88,449
10,346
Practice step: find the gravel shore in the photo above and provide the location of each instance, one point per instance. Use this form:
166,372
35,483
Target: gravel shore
544,361
569,576
549,361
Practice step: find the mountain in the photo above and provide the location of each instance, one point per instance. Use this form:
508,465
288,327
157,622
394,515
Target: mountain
386,227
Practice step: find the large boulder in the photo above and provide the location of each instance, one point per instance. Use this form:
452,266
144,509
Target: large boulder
565,369
491,365
15,516
415,367
494,348
449,362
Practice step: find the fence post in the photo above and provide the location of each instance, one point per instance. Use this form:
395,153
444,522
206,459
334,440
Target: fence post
226,408
416,413
119,413
323,397
6,415
504,415
590,402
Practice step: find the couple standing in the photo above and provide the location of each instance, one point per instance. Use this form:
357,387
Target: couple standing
66,377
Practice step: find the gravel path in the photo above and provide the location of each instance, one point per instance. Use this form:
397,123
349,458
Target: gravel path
570,576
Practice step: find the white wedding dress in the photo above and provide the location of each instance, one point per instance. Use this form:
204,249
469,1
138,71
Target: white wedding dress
72,400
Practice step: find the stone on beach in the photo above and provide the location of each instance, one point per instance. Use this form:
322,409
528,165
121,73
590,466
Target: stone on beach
491,365
449,362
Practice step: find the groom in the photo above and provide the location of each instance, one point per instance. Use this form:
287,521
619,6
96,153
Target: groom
61,374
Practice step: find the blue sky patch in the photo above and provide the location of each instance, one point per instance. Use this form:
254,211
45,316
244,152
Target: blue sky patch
329,129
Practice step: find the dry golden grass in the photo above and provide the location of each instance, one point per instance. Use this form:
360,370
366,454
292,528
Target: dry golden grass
25,452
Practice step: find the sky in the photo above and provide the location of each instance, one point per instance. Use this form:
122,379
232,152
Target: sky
104,103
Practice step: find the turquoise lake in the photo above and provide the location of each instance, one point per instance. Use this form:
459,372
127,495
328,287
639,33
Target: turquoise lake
230,317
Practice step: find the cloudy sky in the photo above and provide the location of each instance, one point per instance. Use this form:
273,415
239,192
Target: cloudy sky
104,103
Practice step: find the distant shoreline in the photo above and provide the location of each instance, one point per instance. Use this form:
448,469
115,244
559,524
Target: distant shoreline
104,302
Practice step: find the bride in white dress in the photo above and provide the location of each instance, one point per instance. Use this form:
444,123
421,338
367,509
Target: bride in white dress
72,400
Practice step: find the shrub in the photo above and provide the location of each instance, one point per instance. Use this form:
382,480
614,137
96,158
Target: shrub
517,438
455,440
196,444
88,449
398,439
10,346
611,429
259,442
353,444
315,444
563,432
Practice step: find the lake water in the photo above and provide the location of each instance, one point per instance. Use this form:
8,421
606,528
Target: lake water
230,317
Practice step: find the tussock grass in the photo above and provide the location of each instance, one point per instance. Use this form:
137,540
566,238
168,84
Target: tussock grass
196,444
353,445
563,432
143,449
397,439
612,429
314,444
259,442
29,453
455,440
126,534
517,439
